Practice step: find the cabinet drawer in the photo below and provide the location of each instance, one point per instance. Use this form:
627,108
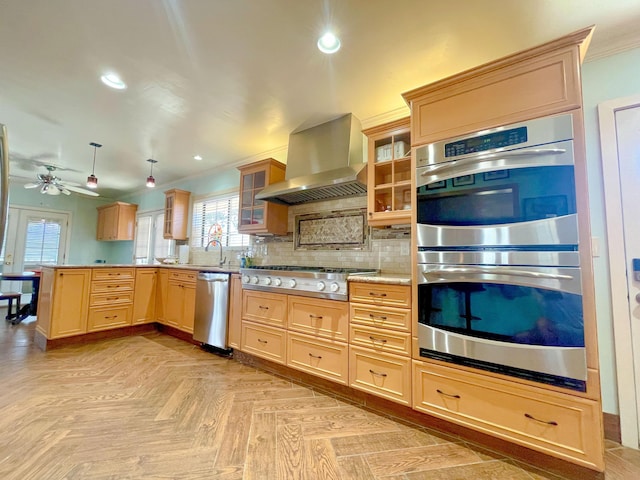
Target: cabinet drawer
263,341
376,317
318,317
324,358
112,286
561,425
112,273
114,298
380,340
184,276
382,374
380,294
110,317
264,307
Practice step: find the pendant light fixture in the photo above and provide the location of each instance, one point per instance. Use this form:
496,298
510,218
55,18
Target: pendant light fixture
151,182
92,180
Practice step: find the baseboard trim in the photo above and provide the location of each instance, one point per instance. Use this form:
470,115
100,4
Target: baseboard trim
407,414
48,344
611,424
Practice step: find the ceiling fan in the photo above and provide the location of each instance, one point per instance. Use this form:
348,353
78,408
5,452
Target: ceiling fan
52,185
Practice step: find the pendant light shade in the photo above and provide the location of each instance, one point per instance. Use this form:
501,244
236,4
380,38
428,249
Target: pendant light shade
151,182
92,180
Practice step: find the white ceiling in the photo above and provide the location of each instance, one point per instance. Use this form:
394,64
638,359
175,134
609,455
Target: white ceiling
230,79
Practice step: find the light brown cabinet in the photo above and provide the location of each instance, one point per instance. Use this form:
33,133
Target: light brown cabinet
181,299
558,424
162,295
258,216
111,298
380,340
144,297
389,170
176,214
116,221
63,302
234,333
264,318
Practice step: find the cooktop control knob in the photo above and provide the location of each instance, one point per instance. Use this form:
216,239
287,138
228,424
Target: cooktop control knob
254,279
245,279
292,283
335,287
267,280
277,282
320,285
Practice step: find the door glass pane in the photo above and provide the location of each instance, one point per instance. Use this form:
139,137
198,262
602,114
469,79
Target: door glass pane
42,242
143,239
259,180
163,247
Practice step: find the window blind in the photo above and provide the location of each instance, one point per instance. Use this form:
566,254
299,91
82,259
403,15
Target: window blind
42,242
222,211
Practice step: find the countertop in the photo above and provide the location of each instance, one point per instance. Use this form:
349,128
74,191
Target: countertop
386,278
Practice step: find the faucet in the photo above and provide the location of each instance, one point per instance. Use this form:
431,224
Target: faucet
222,260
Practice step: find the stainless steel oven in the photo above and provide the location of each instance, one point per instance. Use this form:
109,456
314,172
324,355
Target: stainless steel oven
499,280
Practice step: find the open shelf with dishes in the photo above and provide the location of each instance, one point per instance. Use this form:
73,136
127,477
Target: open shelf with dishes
389,179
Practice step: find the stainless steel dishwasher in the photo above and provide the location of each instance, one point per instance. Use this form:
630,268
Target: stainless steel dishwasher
212,307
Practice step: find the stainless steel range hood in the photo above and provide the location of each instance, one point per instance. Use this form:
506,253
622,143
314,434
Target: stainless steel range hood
323,162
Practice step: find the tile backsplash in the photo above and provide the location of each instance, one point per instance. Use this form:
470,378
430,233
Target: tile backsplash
388,251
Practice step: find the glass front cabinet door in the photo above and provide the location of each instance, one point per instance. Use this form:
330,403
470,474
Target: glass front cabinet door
389,173
258,216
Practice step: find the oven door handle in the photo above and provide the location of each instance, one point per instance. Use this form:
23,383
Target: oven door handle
515,155
497,271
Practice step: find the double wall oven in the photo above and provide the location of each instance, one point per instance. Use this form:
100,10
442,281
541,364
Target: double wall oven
499,278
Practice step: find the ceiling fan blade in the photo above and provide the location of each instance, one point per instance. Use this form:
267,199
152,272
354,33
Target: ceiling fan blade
31,185
84,191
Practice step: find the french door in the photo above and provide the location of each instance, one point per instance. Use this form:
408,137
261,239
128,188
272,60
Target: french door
34,237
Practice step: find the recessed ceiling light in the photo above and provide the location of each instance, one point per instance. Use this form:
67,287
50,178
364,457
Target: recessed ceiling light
114,81
197,157
328,43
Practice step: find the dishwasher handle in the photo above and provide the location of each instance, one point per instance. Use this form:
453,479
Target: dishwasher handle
213,277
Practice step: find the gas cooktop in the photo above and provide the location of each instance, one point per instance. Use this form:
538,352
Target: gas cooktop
321,282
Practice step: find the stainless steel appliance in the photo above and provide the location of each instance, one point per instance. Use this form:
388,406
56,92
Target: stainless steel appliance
212,307
499,280
319,282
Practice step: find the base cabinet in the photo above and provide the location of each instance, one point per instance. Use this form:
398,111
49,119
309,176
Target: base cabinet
264,341
144,297
561,425
234,331
181,300
63,302
111,300
321,357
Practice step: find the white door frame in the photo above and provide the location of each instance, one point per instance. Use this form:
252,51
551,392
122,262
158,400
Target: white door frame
621,317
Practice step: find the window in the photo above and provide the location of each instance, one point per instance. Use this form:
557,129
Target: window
150,242
43,241
222,211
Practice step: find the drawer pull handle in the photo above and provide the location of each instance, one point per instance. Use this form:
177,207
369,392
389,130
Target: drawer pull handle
262,307
262,341
111,299
376,294
315,356
315,317
447,394
377,374
112,316
374,339
377,317
531,417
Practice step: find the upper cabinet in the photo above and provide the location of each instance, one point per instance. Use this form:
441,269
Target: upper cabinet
389,173
258,216
116,221
176,214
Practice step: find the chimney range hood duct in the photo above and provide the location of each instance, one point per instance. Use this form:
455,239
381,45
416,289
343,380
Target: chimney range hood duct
323,162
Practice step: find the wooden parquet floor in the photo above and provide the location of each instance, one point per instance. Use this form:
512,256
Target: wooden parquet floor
154,407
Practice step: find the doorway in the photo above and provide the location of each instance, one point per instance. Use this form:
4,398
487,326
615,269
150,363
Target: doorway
34,237
620,143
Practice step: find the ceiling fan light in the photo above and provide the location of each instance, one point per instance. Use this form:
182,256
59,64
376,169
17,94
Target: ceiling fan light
92,181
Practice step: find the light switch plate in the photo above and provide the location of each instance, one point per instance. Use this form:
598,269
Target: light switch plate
595,247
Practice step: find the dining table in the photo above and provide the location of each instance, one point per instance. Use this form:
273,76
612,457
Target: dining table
30,308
